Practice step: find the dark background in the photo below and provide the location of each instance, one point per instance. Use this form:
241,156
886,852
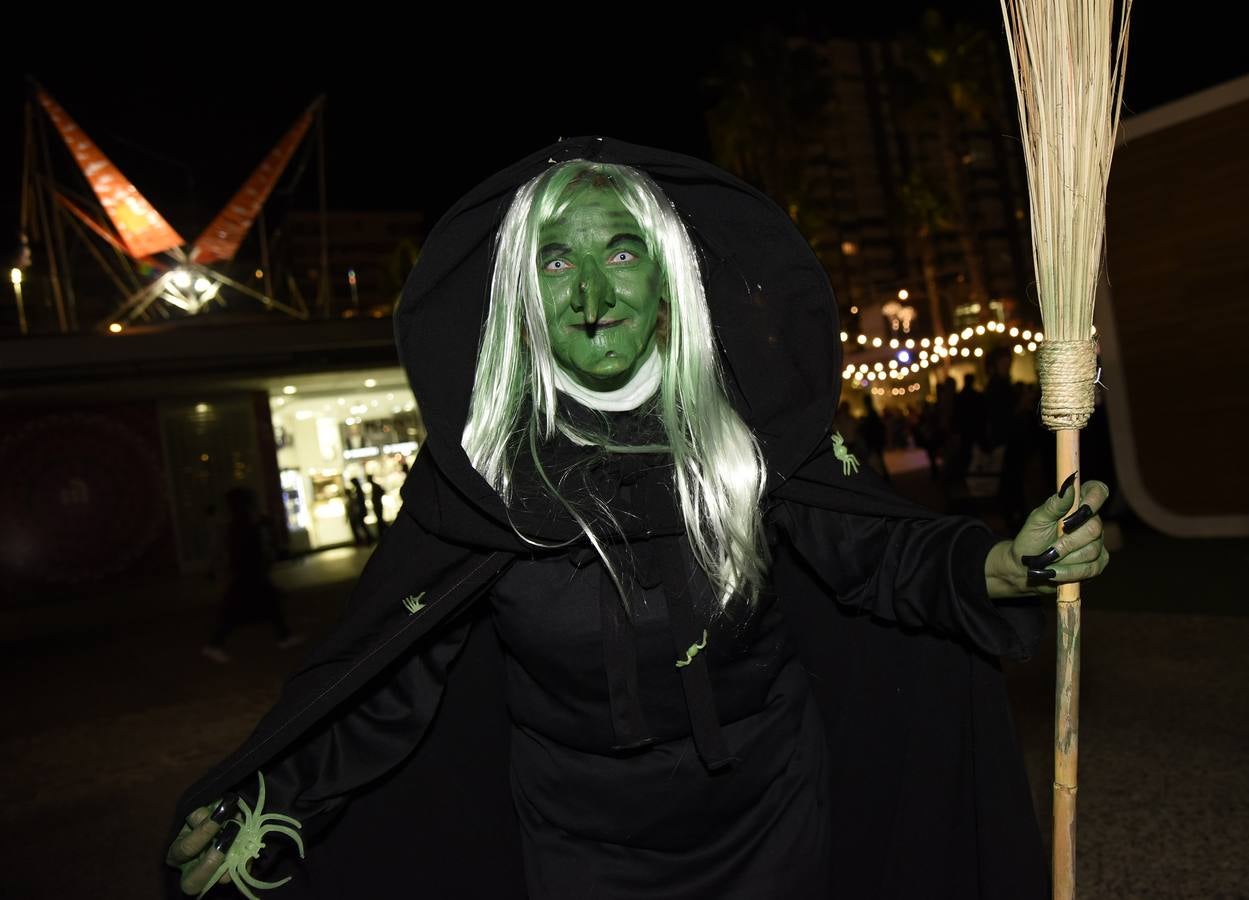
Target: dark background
418,112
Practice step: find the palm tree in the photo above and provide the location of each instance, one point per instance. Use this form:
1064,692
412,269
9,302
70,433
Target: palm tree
925,211
768,127
939,82
778,123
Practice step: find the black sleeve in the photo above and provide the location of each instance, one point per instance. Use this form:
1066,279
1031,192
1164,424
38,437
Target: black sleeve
371,734
895,560
369,731
916,572
314,778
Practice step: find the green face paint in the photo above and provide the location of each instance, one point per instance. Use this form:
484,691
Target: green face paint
600,289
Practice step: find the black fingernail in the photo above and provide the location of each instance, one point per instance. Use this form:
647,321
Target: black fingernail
1068,483
1077,518
1040,576
226,808
1041,560
225,840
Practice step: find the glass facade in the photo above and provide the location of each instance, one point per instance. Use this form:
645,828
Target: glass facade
343,452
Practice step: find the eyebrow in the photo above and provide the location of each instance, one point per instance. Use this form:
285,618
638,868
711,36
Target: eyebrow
625,237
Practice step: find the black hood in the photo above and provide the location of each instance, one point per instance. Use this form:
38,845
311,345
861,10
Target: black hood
772,309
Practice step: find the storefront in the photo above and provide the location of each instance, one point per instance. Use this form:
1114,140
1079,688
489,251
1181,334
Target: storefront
125,446
344,443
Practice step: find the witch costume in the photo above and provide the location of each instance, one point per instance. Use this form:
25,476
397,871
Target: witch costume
488,721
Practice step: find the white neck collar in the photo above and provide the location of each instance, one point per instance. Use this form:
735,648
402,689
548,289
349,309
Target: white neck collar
641,387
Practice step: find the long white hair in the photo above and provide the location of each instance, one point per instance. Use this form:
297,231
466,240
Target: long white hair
718,464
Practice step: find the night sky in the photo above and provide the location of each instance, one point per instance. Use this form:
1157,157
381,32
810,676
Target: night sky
417,115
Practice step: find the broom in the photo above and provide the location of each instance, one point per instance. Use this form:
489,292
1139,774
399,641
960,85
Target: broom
1069,82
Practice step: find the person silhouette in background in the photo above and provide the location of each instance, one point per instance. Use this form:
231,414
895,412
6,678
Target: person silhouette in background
376,494
250,595
356,511
872,432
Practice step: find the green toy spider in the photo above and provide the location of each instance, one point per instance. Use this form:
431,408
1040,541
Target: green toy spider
250,841
849,462
251,827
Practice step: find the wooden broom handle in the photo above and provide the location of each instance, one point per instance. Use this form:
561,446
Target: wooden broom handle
1067,698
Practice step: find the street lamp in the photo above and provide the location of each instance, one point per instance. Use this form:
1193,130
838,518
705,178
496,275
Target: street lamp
15,276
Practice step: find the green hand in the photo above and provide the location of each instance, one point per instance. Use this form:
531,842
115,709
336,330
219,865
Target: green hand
195,852
241,832
1054,546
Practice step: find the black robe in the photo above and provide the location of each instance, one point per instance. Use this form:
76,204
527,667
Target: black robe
401,710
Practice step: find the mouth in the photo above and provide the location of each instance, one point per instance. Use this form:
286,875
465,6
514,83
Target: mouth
595,326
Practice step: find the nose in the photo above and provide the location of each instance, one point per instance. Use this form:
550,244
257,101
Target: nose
595,294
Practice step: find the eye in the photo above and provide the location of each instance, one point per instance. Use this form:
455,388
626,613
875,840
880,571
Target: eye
623,256
557,265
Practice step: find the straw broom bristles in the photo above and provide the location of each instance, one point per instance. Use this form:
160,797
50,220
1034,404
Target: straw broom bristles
1069,99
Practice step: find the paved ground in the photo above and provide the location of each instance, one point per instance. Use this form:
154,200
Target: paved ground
111,712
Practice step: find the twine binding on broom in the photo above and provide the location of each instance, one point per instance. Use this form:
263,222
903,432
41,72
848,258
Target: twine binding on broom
1068,371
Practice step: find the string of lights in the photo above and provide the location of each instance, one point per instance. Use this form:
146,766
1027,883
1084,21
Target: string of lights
913,356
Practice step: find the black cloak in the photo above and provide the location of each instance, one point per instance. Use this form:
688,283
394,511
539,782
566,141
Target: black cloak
401,709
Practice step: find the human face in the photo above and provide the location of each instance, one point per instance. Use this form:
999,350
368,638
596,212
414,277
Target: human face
600,289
